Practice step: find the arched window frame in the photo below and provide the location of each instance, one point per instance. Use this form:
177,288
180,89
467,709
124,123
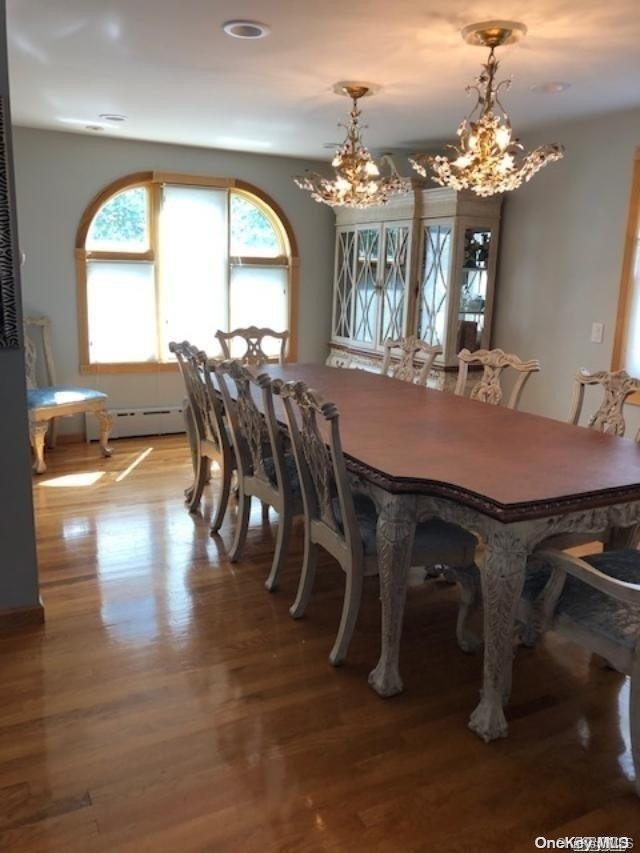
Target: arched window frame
154,181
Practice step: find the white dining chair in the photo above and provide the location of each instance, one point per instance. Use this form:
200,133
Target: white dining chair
409,359
344,523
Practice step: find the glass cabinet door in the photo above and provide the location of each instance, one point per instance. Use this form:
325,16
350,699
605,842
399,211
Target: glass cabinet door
344,279
395,259
473,290
433,292
365,303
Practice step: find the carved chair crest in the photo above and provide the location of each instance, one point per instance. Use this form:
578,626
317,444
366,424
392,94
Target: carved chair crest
248,425
253,337
409,349
31,351
617,386
303,405
489,389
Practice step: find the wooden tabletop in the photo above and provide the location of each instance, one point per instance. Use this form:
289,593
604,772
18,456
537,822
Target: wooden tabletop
510,465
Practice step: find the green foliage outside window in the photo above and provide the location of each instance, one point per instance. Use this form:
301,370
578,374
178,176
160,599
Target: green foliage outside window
251,231
122,221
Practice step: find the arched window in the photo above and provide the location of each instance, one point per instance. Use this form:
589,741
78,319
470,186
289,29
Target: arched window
164,257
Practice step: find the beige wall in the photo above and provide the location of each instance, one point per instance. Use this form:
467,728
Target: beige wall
57,174
561,256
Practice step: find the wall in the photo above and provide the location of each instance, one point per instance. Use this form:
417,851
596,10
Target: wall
18,568
57,174
561,257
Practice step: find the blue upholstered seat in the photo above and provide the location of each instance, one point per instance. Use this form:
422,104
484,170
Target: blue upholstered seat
584,605
291,470
61,395
454,545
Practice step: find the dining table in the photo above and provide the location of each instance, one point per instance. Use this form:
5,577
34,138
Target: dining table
512,478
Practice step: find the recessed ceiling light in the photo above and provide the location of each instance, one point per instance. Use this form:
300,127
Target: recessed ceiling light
246,29
113,117
552,87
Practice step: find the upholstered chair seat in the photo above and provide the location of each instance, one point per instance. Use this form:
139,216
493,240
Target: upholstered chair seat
581,604
291,472
452,545
61,395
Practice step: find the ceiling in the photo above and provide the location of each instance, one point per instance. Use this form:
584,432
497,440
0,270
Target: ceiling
168,66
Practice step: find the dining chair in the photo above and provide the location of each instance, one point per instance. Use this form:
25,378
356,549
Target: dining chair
409,359
493,362
266,469
208,433
49,401
253,338
343,522
594,601
617,386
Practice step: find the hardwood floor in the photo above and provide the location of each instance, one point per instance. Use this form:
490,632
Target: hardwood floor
171,704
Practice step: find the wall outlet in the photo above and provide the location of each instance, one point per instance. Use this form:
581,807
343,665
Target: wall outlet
597,333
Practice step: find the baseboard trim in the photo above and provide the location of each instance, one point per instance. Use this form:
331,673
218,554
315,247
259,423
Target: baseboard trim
16,618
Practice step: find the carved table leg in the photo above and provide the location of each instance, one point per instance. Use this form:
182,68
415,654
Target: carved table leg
502,581
395,532
37,434
106,425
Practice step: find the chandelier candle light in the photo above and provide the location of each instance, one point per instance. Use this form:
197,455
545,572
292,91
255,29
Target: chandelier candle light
357,181
488,159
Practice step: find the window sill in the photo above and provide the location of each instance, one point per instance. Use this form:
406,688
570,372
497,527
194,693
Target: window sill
130,367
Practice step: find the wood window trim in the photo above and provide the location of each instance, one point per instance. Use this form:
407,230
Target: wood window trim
154,180
627,277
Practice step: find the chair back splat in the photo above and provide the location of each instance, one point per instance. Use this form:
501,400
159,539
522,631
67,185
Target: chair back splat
616,387
409,359
253,338
494,362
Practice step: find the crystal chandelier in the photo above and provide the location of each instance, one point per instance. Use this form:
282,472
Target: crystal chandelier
488,159
357,181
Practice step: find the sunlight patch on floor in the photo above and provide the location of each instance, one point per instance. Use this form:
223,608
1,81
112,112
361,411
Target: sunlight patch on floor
140,458
66,481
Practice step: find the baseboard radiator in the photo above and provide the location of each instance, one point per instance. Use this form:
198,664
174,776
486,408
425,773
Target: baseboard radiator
127,423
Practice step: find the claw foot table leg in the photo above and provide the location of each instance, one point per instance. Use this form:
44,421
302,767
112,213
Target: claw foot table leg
502,581
394,538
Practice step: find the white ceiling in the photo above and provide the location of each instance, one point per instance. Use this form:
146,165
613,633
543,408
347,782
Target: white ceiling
167,65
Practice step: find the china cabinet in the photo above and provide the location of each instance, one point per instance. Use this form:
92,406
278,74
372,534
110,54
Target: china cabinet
423,264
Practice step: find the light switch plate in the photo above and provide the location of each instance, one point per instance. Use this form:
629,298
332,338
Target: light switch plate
597,333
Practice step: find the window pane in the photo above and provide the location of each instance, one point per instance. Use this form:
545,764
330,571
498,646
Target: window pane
122,224
252,234
193,265
259,298
122,311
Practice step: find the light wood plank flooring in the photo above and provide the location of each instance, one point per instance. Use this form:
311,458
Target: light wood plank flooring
171,704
